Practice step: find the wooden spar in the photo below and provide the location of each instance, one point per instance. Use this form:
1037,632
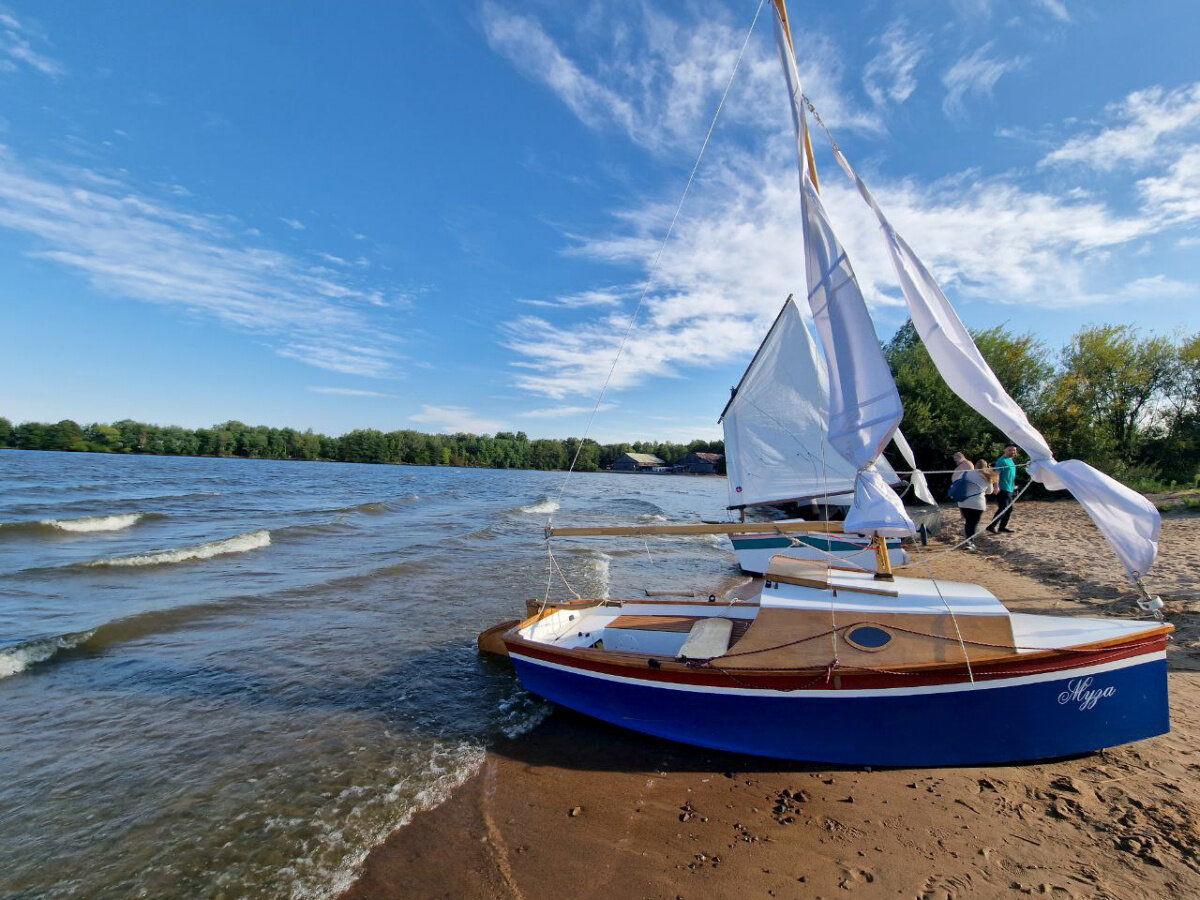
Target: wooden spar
699,528
883,562
781,8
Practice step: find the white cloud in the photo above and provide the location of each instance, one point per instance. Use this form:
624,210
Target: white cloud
1144,122
16,45
294,224
606,296
659,82
455,419
733,262
348,392
1176,195
890,75
561,412
133,245
1056,8
974,75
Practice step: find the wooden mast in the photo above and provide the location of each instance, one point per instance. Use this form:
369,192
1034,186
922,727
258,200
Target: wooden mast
883,563
781,9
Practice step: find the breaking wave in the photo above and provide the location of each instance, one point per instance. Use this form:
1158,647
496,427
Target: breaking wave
80,525
253,540
20,657
542,507
95,523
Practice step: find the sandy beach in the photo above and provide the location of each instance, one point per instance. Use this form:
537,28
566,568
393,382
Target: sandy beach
580,809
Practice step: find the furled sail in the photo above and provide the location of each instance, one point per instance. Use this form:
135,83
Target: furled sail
776,423
1128,520
864,405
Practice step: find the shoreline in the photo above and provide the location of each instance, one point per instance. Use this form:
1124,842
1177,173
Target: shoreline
580,808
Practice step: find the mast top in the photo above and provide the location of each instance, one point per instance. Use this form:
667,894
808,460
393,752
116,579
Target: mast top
781,10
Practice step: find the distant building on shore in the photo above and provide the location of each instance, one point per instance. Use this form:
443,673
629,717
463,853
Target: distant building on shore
702,464
639,462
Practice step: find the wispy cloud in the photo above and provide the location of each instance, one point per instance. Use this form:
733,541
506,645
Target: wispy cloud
134,245
658,83
456,419
975,75
733,263
607,296
1056,8
1176,195
294,224
561,412
349,392
16,48
1141,124
891,73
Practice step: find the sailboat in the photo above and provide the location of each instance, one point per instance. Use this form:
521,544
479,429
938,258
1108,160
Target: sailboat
777,453
824,664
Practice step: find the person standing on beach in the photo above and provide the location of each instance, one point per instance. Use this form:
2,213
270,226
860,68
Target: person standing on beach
1008,485
974,500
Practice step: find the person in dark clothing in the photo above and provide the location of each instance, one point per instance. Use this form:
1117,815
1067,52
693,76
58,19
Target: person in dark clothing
1008,486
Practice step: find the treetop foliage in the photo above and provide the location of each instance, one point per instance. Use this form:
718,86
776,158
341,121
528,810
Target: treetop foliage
504,450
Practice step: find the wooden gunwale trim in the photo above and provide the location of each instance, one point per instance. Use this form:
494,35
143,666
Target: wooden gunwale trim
1009,665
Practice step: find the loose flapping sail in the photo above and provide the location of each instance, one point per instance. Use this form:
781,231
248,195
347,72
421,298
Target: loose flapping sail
864,405
776,423
1127,520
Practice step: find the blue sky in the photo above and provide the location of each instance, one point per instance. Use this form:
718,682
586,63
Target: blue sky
440,215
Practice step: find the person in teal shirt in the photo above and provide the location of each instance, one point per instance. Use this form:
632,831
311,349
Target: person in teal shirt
1008,486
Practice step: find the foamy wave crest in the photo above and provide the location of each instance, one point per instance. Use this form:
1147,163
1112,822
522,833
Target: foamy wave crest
22,656
376,815
598,577
94,523
242,543
542,507
521,713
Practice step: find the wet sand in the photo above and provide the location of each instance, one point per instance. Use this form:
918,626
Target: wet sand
580,809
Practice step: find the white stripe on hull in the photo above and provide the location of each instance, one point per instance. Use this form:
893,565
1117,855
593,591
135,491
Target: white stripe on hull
915,690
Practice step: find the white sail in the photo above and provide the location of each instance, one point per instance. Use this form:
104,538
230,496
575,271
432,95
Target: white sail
1128,520
864,405
776,423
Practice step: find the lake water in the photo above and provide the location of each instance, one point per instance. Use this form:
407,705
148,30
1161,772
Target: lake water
225,677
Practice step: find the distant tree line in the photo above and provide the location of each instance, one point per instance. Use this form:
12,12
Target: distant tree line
1127,403
504,450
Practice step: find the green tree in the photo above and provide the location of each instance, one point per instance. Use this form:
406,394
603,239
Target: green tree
936,422
1109,390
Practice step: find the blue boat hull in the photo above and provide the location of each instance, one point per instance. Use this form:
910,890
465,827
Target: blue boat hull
1073,712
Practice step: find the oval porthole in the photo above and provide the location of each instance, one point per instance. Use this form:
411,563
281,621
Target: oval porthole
868,637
